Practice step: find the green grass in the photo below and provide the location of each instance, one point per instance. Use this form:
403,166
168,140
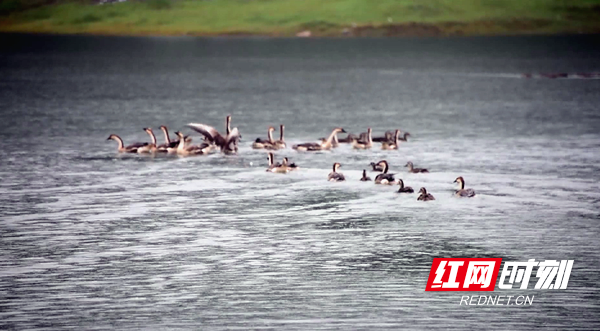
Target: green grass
286,17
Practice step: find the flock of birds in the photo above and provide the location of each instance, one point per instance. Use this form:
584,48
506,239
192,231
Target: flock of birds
228,144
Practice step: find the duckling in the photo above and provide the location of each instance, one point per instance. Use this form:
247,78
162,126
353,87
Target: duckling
364,176
364,142
182,149
261,143
291,166
336,176
170,146
385,178
277,167
468,193
133,148
411,168
227,144
404,189
388,136
390,145
279,144
150,148
326,145
348,139
424,195
376,166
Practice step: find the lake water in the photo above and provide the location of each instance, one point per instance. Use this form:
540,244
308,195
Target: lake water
95,240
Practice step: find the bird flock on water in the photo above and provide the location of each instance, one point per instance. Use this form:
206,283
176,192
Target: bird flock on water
228,142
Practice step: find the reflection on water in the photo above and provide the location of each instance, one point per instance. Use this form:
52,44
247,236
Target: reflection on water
96,240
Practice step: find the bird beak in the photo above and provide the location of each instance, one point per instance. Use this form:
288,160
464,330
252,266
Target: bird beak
344,131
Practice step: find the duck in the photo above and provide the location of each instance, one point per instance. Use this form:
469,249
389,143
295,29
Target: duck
365,178
150,148
170,146
412,169
404,189
182,149
350,138
376,166
388,136
324,145
227,144
424,195
279,144
336,176
385,178
291,166
462,192
391,145
364,142
261,143
133,148
276,167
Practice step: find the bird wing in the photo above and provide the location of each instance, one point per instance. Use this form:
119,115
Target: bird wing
209,132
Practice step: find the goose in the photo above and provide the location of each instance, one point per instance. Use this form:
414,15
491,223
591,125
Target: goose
279,144
364,142
364,176
336,176
350,138
388,136
404,136
326,145
411,168
404,189
376,166
291,166
385,178
182,149
133,148
468,193
170,146
424,195
150,148
390,145
227,144
277,167
261,143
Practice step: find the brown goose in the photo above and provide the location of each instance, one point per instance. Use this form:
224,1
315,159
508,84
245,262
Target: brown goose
279,144
390,145
150,148
424,195
364,142
336,176
412,169
170,146
388,136
365,178
385,178
326,145
262,143
227,144
461,192
404,189
182,149
133,148
277,167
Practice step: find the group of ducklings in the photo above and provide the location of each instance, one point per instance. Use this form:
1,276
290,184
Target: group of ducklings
386,178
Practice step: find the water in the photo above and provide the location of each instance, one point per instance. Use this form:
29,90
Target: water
96,240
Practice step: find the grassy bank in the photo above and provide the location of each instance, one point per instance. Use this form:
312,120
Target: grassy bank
287,17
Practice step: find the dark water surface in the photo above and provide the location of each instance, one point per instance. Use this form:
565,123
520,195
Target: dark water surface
95,240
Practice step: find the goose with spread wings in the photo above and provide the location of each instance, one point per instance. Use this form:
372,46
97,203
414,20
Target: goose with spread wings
227,144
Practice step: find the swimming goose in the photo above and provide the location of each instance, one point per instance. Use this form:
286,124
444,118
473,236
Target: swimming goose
376,166
261,143
133,148
388,136
404,189
364,142
364,177
326,145
227,144
170,146
291,166
404,137
390,145
150,148
279,144
277,167
468,193
385,178
411,168
182,149
424,195
336,176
